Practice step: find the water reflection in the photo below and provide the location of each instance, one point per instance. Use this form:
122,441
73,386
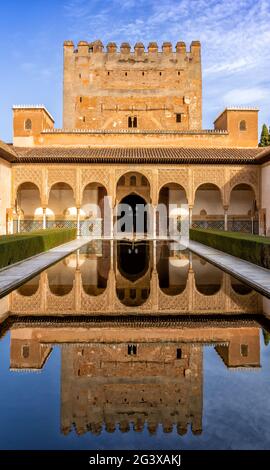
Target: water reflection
134,323
141,277
130,378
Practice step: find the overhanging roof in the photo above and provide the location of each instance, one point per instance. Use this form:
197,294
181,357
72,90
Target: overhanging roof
7,152
138,155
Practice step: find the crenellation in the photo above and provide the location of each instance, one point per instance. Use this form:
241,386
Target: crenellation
167,48
111,48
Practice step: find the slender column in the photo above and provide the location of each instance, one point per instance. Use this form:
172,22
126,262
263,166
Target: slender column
225,218
78,221
19,222
155,254
190,216
252,224
112,221
112,253
154,222
44,219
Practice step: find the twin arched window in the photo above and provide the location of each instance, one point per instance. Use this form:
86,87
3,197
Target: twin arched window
28,125
132,121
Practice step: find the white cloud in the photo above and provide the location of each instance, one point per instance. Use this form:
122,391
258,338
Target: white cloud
246,96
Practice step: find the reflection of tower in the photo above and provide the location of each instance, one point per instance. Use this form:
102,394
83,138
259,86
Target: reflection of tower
243,350
132,385
28,354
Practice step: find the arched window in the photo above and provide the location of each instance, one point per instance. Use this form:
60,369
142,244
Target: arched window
133,181
144,181
243,126
132,121
28,125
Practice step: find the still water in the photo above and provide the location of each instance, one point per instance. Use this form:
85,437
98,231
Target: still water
134,346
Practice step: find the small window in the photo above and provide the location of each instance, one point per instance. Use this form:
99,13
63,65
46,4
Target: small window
132,350
133,181
243,126
178,73
28,125
144,294
132,121
160,73
178,353
132,294
83,118
108,73
91,49
80,99
80,75
144,181
178,117
25,352
244,350
143,74
126,74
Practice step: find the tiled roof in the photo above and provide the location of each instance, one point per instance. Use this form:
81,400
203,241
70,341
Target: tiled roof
136,155
7,152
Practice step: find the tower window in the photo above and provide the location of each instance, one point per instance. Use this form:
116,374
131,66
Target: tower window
243,126
143,73
132,350
132,121
178,117
83,118
28,125
178,73
25,352
178,353
108,73
80,99
126,74
160,73
244,350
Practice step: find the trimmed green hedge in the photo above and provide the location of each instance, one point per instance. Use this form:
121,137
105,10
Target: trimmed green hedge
14,248
252,248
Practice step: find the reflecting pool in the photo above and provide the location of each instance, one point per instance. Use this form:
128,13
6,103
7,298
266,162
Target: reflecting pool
134,346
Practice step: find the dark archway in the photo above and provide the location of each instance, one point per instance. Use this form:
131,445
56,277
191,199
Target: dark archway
133,259
135,217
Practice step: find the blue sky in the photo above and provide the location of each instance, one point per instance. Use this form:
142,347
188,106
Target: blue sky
235,37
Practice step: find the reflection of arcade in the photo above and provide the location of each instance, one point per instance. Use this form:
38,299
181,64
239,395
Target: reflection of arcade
133,272
130,377
139,277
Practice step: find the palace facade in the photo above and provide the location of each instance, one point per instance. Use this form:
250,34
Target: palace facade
132,131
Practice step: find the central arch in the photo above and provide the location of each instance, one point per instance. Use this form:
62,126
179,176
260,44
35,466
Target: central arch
133,214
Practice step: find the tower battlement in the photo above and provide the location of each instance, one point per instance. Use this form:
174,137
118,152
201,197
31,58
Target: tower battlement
152,51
